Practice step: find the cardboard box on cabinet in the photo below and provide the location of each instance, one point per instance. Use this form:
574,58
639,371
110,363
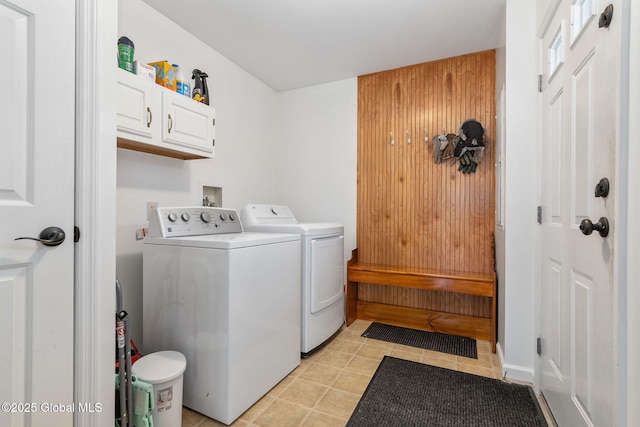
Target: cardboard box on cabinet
165,74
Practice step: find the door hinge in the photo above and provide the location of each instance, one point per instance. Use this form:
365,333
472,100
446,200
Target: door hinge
539,214
539,346
540,83
76,234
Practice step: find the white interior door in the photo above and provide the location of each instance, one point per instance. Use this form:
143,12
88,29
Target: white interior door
580,67
36,192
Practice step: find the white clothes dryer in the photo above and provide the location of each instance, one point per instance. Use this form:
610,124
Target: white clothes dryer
227,299
323,309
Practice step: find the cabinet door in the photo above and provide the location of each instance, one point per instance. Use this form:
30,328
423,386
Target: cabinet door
136,107
188,124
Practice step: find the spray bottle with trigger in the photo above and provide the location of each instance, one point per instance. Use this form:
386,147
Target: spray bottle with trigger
200,90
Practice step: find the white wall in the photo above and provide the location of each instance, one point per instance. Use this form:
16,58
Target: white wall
247,130
517,346
318,155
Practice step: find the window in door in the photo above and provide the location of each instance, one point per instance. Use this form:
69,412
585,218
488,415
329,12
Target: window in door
556,52
581,14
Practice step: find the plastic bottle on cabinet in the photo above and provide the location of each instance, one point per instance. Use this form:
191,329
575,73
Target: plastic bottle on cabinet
182,87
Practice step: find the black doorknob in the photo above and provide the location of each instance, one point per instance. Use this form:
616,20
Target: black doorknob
50,236
602,227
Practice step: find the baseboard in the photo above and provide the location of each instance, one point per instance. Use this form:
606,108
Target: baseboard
514,372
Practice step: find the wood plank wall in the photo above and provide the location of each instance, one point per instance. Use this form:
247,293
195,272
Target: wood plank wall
411,211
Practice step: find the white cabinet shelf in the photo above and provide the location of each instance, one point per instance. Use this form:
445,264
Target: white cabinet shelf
156,120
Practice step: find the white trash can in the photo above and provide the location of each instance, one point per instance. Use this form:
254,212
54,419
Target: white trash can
164,371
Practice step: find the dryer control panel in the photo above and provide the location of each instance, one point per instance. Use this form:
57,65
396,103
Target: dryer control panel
193,221
267,214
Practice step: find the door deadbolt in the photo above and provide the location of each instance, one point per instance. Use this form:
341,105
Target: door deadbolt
602,188
605,17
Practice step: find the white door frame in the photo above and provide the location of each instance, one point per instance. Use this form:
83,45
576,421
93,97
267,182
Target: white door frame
96,41
627,299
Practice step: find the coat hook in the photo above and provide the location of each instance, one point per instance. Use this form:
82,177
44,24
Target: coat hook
392,140
426,135
408,137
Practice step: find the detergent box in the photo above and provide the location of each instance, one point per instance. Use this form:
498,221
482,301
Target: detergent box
165,74
144,70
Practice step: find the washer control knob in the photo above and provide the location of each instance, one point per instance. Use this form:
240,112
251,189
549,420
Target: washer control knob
185,217
205,217
232,217
274,211
223,216
172,217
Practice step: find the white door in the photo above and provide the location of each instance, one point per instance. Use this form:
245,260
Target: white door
36,191
580,67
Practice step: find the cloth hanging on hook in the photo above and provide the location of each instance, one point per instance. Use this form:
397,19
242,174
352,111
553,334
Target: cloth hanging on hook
443,147
470,146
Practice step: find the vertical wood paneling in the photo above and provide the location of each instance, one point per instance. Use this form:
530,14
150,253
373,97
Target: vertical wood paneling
411,211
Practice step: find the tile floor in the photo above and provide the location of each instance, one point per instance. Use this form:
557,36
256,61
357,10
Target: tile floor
325,389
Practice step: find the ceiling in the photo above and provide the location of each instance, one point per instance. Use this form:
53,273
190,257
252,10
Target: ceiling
289,44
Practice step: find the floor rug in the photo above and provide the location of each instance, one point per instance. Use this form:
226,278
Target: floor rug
405,393
436,341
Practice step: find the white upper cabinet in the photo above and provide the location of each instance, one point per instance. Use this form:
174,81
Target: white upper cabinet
156,120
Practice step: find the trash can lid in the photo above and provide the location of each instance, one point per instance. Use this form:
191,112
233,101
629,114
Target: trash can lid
160,367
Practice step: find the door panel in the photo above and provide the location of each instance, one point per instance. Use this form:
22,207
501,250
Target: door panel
37,121
579,138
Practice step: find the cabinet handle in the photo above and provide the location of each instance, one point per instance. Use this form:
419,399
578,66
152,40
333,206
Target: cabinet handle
170,123
149,117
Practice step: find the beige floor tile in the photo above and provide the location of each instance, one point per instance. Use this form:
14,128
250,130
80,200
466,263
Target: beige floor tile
282,414
338,403
406,355
281,386
374,352
352,336
408,348
483,346
213,423
442,362
439,355
318,419
322,374
325,389
191,418
476,370
353,382
303,392
363,365
345,346
359,326
334,358
257,408
304,364
483,361
377,343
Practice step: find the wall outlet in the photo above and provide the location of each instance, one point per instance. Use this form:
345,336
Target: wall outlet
151,209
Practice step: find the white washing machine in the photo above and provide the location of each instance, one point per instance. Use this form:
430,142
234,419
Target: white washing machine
227,299
323,309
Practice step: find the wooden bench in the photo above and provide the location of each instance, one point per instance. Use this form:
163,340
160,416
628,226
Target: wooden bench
481,284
